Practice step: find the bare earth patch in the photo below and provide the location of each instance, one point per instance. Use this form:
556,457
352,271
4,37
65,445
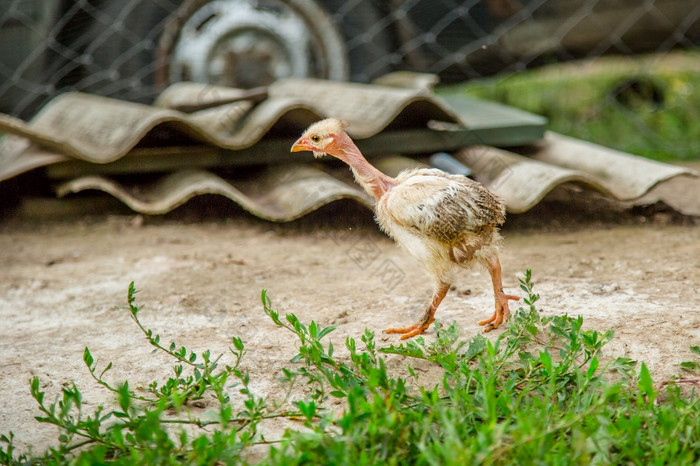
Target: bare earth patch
202,268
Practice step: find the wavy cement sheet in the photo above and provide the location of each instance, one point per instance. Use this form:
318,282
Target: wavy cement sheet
277,194
625,176
522,182
288,192
368,108
101,130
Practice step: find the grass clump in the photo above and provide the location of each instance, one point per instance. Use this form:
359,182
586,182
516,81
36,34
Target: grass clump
644,105
540,393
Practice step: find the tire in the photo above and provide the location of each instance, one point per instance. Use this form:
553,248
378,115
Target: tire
132,44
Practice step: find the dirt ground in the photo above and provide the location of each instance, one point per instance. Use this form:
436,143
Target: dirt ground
201,269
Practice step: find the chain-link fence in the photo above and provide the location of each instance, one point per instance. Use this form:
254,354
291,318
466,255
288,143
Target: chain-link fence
132,49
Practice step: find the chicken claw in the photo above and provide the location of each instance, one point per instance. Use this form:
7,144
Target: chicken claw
412,331
428,316
501,313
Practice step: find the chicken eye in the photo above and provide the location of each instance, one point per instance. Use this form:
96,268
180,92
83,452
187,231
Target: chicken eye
315,138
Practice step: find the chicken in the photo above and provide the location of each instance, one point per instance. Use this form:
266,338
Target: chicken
445,221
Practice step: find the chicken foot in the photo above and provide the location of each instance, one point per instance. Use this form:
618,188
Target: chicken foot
502,311
428,316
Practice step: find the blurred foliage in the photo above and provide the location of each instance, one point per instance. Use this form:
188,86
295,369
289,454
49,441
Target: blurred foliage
647,105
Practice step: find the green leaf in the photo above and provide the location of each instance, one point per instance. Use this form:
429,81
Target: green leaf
104,371
690,366
308,410
37,394
546,360
296,358
623,365
267,304
238,343
476,347
646,385
409,349
326,331
124,397
592,368
532,329
294,320
695,349
87,358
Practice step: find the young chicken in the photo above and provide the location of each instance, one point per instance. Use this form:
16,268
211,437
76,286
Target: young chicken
445,221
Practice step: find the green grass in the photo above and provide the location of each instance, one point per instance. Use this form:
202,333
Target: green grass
541,393
586,101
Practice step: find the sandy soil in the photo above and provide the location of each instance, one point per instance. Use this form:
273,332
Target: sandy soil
201,270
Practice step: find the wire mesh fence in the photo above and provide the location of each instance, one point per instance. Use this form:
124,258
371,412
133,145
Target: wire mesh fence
132,49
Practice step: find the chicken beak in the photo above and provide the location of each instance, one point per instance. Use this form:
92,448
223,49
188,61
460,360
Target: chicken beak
300,145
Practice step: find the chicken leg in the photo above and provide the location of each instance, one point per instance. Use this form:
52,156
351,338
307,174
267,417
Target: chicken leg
428,316
502,310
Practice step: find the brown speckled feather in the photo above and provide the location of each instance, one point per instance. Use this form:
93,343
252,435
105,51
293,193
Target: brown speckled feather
443,206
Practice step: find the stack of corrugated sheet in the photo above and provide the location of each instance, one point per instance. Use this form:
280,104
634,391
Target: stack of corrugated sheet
199,139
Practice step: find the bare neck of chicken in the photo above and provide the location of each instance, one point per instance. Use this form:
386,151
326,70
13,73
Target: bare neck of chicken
372,180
